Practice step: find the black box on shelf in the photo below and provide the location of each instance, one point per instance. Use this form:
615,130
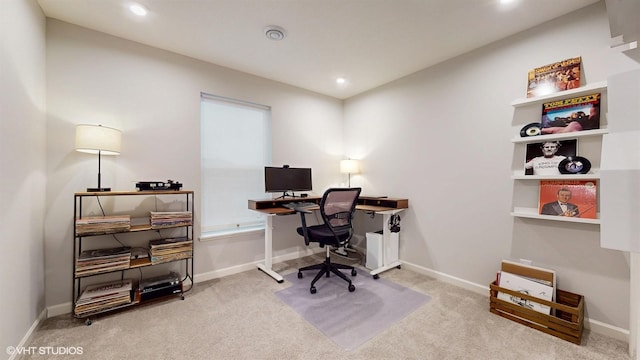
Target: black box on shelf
158,185
159,286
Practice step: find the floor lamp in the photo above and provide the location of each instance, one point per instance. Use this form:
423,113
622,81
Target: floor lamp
349,166
98,139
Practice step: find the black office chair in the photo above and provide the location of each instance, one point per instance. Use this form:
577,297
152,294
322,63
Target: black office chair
336,207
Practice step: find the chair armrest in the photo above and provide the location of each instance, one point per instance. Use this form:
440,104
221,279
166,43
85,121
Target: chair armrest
303,221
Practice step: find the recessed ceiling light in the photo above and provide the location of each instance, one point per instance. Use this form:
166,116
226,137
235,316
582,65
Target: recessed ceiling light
341,81
507,5
138,9
275,33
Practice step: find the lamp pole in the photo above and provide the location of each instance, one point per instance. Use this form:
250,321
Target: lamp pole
99,174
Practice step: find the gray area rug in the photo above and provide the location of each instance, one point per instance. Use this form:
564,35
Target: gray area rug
350,318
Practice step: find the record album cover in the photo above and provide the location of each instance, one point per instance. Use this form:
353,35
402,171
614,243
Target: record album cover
545,157
571,198
574,114
556,77
525,286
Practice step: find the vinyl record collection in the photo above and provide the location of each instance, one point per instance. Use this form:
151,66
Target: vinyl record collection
162,219
95,225
164,250
100,297
97,261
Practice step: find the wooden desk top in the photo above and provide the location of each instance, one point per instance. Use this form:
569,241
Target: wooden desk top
365,203
271,203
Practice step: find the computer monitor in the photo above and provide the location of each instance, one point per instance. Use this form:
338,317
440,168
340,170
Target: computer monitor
285,179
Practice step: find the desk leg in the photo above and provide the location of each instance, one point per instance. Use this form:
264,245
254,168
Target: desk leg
268,251
390,245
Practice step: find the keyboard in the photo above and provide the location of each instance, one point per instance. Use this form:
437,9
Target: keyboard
299,204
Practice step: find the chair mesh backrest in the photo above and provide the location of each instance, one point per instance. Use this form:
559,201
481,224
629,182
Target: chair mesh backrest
338,205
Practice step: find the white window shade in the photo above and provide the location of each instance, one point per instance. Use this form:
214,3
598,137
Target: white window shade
235,147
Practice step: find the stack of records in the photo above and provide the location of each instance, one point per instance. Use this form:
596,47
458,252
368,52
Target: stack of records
97,261
164,250
100,297
95,225
161,219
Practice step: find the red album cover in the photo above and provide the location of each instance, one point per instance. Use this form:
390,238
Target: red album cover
567,115
552,78
572,198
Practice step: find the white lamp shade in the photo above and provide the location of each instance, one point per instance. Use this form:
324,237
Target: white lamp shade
97,138
349,166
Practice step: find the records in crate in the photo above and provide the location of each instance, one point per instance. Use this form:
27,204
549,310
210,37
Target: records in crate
571,198
552,78
568,115
526,286
530,280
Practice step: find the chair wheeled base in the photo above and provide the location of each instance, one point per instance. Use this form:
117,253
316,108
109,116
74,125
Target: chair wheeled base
327,267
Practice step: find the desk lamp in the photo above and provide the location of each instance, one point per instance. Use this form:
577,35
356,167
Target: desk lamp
98,139
349,166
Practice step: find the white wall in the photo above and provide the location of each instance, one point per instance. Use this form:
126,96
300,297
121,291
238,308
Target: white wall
22,159
153,96
445,132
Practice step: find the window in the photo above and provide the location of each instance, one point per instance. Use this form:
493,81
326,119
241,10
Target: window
236,146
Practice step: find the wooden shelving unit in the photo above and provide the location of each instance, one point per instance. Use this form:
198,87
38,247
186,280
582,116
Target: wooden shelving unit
80,241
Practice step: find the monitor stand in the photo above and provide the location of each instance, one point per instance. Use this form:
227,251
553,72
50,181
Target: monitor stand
285,194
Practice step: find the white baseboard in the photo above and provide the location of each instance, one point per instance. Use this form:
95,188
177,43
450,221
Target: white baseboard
59,309
26,339
593,325
608,330
467,285
253,265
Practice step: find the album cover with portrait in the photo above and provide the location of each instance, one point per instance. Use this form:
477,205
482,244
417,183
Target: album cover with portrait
571,198
555,77
545,157
568,115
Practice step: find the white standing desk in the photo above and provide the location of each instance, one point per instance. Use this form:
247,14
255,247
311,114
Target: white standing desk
379,205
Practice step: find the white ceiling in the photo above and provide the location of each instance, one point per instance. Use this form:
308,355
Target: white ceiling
369,42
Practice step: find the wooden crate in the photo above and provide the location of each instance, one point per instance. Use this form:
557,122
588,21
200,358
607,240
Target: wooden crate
566,319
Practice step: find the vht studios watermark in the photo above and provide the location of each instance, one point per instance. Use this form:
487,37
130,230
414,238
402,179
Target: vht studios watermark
44,350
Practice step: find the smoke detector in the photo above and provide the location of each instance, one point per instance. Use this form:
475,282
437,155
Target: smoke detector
275,33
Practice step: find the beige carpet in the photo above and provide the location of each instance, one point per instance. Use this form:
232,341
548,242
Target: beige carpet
239,317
